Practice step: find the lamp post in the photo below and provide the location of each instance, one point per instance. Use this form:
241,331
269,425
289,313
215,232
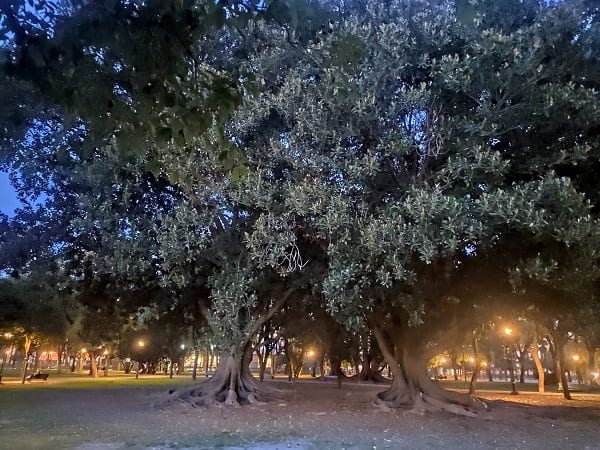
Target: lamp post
141,344
508,333
311,355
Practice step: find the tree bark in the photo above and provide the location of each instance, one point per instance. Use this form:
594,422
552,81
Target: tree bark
195,369
232,384
25,358
262,363
560,350
591,363
370,371
411,386
93,366
475,365
533,350
59,355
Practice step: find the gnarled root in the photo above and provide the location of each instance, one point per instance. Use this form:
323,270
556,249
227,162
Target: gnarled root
231,385
424,396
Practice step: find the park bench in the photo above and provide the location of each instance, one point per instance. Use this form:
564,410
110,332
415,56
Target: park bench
37,377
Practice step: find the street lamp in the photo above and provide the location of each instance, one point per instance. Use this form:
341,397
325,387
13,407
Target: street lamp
508,332
141,343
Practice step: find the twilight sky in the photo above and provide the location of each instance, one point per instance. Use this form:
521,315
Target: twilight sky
8,197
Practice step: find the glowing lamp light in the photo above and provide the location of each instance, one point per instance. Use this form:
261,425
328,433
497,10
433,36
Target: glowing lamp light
508,331
8,335
182,346
443,360
575,357
471,359
141,343
484,364
105,352
83,350
311,353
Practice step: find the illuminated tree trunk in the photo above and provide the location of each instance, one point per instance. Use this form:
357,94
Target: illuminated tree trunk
93,366
533,350
27,349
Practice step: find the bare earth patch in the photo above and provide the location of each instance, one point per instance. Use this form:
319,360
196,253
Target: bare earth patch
303,415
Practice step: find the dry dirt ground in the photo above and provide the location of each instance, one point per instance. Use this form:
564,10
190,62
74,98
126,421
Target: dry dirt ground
303,415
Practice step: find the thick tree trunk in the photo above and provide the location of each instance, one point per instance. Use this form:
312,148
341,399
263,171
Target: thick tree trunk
370,372
562,364
195,369
262,364
232,384
59,355
412,388
93,366
533,350
27,349
475,365
322,367
591,363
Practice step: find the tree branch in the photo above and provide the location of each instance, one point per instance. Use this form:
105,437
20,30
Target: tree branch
275,308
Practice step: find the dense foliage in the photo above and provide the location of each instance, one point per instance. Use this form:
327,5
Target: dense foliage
414,168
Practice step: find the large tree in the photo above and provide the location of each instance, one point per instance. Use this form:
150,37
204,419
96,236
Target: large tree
419,141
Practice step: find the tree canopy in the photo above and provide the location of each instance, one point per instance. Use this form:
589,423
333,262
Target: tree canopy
410,167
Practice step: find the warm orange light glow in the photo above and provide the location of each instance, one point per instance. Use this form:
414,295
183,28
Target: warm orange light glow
8,335
141,343
472,359
105,352
484,364
508,331
310,353
575,357
83,350
443,360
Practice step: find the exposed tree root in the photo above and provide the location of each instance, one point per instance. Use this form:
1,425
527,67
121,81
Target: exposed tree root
412,389
231,385
373,377
424,396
